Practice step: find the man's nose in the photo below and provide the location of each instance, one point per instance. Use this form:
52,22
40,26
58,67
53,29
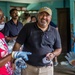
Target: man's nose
44,16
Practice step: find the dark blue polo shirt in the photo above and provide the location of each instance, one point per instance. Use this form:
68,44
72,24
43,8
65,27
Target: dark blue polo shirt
11,29
38,42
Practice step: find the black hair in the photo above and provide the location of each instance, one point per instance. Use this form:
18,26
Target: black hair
12,10
33,17
26,15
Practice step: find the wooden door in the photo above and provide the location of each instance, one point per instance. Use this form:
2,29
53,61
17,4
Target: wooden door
64,28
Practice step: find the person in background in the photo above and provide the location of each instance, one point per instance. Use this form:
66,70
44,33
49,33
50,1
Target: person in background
55,59
2,21
33,19
43,41
13,26
27,18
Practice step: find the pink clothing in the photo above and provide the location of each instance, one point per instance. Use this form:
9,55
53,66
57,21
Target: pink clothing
6,69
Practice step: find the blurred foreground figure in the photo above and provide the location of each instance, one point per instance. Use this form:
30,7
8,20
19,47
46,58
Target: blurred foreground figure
5,64
71,58
6,56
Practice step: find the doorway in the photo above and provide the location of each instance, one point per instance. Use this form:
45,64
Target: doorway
63,15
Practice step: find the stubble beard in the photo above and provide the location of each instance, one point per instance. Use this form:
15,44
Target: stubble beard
43,24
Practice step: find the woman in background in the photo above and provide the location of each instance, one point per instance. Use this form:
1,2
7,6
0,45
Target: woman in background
33,19
27,18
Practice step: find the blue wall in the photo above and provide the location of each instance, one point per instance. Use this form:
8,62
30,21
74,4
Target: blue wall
72,20
5,6
53,5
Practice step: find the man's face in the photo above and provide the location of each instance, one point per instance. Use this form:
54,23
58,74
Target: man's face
1,17
44,19
14,14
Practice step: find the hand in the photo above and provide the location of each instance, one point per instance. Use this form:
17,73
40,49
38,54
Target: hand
21,54
71,58
50,56
20,63
45,61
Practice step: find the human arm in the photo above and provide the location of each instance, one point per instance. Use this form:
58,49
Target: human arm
57,47
19,53
4,60
14,55
10,38
16,47
55,53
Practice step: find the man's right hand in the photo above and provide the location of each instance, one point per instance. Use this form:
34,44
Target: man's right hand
21,54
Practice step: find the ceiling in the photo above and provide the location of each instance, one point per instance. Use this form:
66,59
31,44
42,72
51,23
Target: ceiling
26,1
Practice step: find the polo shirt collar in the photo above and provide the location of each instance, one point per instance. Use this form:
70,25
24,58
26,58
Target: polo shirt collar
13,22
49,27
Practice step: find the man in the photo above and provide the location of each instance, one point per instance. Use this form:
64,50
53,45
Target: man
43,41
12,27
